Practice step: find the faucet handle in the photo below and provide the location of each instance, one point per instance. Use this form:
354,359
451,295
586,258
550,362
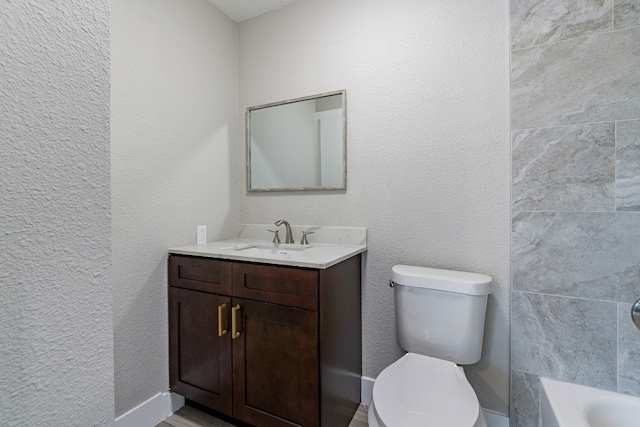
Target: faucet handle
304,240
276,238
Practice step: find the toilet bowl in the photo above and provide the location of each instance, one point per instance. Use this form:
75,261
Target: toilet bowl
422,391
440,323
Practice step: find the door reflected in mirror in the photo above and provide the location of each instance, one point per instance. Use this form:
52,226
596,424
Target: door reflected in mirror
299,144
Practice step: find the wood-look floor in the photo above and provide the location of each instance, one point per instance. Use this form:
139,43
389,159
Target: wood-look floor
188,416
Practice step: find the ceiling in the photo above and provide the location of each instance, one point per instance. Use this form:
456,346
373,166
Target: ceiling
241,10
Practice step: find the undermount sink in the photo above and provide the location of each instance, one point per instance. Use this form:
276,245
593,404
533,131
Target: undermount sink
273,249
573,405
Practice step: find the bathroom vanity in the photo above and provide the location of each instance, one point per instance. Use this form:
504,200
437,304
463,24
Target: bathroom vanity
267,334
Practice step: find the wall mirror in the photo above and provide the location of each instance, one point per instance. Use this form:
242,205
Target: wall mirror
299,144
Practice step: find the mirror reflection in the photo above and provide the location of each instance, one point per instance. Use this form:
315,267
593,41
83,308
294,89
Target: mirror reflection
298,144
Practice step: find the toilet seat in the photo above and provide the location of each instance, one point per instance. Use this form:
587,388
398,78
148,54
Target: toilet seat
419,391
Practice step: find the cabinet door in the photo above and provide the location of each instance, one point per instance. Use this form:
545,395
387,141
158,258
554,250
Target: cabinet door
199,358
275,365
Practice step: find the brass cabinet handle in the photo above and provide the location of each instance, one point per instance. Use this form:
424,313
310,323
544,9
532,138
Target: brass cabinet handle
234,321
221,331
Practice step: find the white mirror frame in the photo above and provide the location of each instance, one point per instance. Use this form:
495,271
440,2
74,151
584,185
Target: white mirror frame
343,186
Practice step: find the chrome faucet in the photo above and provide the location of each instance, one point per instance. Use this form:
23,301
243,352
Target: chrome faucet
288,237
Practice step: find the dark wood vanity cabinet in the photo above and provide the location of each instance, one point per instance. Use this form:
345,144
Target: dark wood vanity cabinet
268,345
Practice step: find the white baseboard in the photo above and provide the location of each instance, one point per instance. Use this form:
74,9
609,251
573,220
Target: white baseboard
152,411
493,419
366,388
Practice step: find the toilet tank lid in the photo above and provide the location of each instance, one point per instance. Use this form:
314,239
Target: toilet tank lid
460,282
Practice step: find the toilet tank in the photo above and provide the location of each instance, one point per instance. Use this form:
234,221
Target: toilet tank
440,313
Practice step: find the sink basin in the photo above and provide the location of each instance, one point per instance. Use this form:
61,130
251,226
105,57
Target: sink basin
262,249
573,405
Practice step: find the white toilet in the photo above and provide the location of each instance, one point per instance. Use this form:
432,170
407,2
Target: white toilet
440,322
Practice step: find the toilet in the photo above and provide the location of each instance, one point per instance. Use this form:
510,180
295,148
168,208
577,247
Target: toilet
439,322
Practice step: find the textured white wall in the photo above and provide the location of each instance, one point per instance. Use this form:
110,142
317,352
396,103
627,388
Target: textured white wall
56,324
428,145
174,106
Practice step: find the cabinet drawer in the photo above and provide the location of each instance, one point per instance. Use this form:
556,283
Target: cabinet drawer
200,274
279,285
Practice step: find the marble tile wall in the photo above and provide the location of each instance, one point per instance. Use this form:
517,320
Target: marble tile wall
626,14
627,166
575,121
564,168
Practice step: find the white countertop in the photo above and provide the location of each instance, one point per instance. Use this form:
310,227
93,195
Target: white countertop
321,253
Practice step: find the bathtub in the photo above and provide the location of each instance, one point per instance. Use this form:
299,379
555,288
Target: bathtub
572,405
